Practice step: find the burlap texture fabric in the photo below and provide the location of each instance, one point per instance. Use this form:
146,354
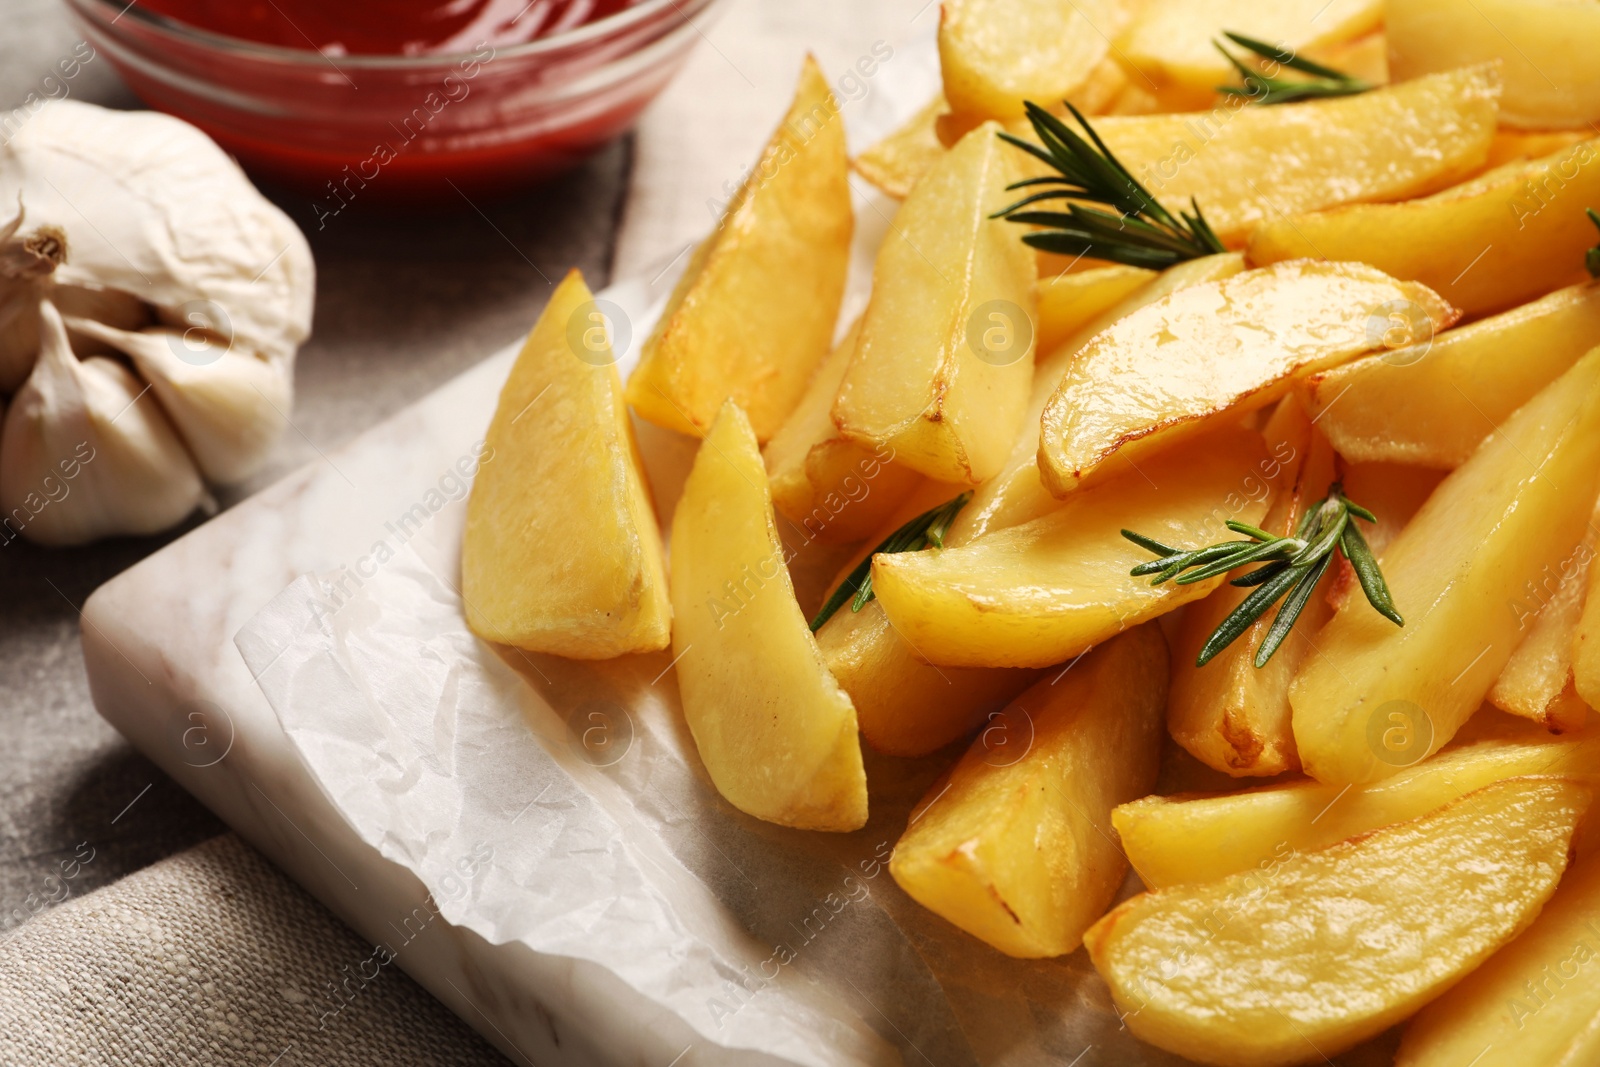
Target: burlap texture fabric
213,957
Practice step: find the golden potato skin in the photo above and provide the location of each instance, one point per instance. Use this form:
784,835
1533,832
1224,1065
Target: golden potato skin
1537,682
1510,145
907,706
1491,243
1248,165
996,54
1184,840
1382,696
1211,353
833,490
1040,593
1319,951
1169,43
774,730
1546,50
1069,302
1431,403
1014,844
754,312
948,277
1534,1001
895,163
1586,642
561,552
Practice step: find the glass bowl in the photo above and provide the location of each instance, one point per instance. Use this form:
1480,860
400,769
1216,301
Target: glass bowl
402,128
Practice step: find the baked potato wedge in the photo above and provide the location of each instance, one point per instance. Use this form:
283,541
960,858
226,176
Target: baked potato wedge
1511,145
1182,840
1534,1001
1068,302
907,706
895,163
1491,243
1043,592
1381,696
1546,47
1211,353
832,489
561,552
754,312
1247,165
1586,637
1430,404
1013,845
774,730
1397,492
1537,681
1231,714
1365,58
942,369
1394,493
1322,950
1170,47
995,54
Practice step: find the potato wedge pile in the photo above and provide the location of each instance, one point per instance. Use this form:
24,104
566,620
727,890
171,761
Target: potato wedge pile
1229,385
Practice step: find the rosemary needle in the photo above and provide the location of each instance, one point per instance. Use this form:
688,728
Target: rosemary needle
1324,82
924,531
1591,259
1141,233
1290,569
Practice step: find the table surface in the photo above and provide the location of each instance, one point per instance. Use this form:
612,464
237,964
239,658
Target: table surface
402,305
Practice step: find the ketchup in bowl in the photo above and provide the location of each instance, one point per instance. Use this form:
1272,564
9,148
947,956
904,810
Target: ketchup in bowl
399,99
387,27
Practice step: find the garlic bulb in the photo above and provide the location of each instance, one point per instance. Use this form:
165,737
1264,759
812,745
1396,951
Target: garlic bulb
135,255
84,454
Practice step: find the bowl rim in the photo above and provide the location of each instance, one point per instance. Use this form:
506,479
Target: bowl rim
163,24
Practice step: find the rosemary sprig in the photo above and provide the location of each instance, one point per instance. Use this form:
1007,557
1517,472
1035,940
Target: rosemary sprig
1291,568
1591,258
1265,89
1141,233
927,529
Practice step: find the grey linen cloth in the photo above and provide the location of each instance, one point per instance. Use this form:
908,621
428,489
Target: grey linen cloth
213,956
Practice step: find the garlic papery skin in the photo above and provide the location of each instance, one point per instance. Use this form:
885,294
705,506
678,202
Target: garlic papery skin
141,231
27,260
228,406
175,222
87,452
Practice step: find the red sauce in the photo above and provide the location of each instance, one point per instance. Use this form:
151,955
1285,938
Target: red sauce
469,112
387,27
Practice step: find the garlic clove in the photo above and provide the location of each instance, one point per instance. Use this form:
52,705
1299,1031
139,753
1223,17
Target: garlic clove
228,405
84,454
19,332
110,306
